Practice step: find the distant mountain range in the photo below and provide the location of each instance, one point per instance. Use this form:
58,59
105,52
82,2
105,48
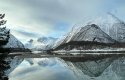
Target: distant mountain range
107,29
42,43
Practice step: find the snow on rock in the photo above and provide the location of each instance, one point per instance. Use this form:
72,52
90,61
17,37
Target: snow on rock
66,37
111,25
92,33
13,43
110,28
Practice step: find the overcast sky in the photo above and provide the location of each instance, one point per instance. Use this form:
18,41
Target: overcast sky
36,18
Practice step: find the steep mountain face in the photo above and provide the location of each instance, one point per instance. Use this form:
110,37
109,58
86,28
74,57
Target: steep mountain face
42,43
92,33
108,29
13,43
89,33
111,25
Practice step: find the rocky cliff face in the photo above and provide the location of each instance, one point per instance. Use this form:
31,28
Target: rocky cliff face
111,25
92,33
86,36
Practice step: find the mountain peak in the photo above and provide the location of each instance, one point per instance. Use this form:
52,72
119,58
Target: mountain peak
94,26
108,19
92,33
112,26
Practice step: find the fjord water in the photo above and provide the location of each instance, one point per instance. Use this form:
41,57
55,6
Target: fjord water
112,68
42,69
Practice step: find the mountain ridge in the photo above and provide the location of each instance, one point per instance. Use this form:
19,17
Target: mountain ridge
111,26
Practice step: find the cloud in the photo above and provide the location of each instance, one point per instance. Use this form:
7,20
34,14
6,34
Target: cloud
27,33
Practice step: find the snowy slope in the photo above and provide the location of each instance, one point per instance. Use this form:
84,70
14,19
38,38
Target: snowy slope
111,28
13,43
111,25
92,33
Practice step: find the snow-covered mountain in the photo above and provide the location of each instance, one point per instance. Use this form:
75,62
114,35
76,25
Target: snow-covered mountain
111,25
105,29
13,43
91,33
42,43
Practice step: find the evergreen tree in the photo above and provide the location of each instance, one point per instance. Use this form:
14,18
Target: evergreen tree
3,52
